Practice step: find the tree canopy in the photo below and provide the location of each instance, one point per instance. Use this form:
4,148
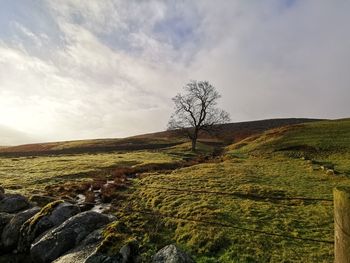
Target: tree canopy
196,110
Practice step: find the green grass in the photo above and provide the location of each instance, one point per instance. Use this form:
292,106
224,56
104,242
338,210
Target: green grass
26,174
280,177
194,206
264,168
325,136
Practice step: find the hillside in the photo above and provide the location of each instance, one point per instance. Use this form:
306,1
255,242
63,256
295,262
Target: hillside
325,142
320,135
266,198
227,133
269,198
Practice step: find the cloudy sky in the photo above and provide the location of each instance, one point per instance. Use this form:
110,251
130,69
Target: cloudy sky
75,69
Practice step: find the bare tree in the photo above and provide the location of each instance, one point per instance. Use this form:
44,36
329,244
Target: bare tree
196,110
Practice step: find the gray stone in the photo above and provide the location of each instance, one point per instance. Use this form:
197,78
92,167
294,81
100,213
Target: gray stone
15,258
102,258
65,237
13,203
77,256
4,219
171,254
94,237
130,252
52,215
10,234
86,248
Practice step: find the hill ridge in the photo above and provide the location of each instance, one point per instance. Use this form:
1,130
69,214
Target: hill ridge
226,133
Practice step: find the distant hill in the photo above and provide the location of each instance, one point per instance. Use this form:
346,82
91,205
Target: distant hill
224,134
326,137
323,144
233,132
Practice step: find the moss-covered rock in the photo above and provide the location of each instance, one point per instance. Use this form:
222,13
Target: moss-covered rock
51,215
66,236
10,234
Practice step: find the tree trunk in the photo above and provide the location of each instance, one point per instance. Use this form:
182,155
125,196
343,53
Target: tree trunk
194,143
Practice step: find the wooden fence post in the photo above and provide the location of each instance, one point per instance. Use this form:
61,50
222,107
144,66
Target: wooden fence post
342,224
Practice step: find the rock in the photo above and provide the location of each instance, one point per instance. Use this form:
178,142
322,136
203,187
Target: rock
87,248
171,254
130,252
4,219
102,258
41,200
94,237
15,258
13,203
68,235
77,256
88,254
10,234
330,172
86,206
52,215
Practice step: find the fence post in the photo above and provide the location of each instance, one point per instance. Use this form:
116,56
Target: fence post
342,224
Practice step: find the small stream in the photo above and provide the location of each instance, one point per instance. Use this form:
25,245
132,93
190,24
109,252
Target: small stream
97,205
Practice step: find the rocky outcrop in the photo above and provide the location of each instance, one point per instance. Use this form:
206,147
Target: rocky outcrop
89,252
66,236
4,219
171,254
13,203
59,232
87,248
77,256
51,215
10,234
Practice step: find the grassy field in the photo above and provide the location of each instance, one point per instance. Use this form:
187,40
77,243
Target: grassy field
213,209
267,198
26,174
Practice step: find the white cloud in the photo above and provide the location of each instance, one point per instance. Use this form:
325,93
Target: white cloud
109,68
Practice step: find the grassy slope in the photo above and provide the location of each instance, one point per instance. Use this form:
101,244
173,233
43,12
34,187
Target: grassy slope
269,165
326,141
265,166
225,133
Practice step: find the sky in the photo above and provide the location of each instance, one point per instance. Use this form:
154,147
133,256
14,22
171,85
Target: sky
77,69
